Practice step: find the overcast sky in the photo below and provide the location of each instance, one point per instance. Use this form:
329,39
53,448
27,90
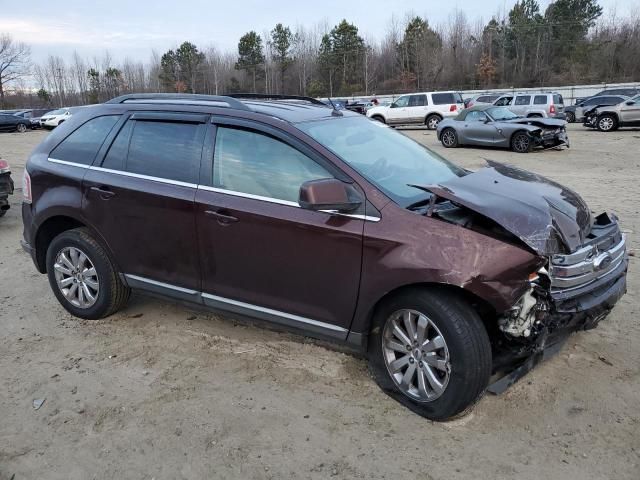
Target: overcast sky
131,29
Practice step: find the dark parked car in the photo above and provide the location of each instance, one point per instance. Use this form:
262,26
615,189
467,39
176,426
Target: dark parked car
491,126
12,123
326,222
625,92
32,115
575,113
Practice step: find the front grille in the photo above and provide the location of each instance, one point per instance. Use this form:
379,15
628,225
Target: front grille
587,264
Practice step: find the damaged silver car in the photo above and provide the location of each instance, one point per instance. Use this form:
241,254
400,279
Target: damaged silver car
491,126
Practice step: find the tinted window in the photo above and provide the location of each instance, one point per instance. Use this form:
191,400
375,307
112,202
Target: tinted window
557,99
523,100
504,101
168,150
417,100
83,144
476,116
250,162
487,98
592,101
444,98
540,100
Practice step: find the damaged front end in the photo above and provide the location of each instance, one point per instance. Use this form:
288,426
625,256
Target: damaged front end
583,259
550,133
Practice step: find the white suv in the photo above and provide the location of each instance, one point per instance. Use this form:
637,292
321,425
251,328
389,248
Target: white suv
426,108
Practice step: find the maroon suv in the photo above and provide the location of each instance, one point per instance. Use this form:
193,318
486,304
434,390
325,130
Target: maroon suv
286,210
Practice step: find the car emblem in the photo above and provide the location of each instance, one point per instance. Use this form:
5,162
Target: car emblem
602,261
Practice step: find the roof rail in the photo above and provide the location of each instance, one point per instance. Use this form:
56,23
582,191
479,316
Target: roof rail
173,97
269,96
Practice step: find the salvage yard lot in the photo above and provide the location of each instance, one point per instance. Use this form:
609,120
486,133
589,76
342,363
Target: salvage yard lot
163,391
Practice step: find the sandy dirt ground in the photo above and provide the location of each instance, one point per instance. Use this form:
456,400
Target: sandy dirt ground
163,391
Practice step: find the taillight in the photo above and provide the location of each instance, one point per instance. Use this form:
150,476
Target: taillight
453,108
26,187
4,166
552,108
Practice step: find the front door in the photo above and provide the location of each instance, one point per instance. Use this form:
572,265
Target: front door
398,111
140,198
630,114
478,130
264,256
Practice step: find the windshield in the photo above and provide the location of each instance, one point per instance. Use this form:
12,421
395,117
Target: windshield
388,159
501,113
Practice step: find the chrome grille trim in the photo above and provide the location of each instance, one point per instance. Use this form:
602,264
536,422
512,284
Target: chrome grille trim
585,266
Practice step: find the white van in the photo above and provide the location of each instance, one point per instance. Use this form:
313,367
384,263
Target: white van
426,108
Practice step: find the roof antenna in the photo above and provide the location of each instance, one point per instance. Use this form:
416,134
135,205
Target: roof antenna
335,112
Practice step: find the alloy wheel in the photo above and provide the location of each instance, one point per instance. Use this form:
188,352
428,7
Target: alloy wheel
605,124
22,128
76,277
433,123
416,355
448,138
521,143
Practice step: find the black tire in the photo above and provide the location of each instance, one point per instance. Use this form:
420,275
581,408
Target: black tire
449,138
570,117
467,342
112,295
432,121
521,142
21,128
3,213
378,118
607,122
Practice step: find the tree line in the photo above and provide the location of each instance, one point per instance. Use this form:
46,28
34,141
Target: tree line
569,42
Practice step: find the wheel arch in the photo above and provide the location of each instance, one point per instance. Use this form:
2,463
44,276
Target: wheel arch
432,114
484,309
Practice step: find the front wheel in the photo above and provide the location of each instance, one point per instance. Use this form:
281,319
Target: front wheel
82,276
430,351
21,128
449,138
607,122
521,142
570,116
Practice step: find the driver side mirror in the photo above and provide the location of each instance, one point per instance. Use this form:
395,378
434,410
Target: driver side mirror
393,105
328,194
630,102
487,120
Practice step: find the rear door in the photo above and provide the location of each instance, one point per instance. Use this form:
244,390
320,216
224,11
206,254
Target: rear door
262,255
520,105
140,198
416,110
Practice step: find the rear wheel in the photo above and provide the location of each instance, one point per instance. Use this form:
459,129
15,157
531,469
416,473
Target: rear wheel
570,116
521,142
430,351
607,122
82,276
378,118
432,121
21,128
449,138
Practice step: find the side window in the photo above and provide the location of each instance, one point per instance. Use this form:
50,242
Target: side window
592,101
443,98
540,100
476,116
557,99
503,102
417,100
83,144
161,149
250,162
523,100
402,101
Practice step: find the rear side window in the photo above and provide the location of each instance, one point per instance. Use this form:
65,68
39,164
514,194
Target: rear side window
250,162
540,100
444,98
170,150
417,100
523,100
83,144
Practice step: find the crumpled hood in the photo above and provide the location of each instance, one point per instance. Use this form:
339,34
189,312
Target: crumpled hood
545,215
539,121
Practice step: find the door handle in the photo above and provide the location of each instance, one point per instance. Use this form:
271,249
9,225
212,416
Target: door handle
223,217
103,191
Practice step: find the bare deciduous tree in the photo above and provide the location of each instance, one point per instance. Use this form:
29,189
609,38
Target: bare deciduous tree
15,62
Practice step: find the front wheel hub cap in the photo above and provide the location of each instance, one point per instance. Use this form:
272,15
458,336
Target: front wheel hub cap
421,373
76,277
